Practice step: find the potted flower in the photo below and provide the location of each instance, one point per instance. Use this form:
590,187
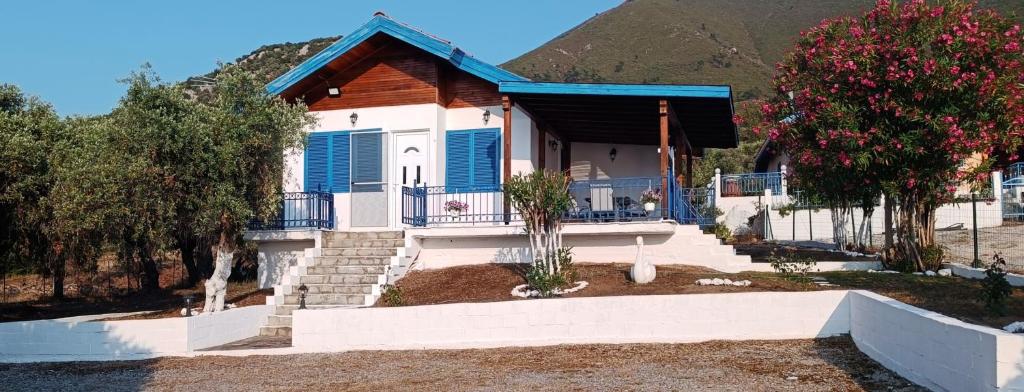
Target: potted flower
455,208
650,198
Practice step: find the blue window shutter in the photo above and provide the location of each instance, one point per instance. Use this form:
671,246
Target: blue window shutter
458,150
316,163
485,159
340,179
367,154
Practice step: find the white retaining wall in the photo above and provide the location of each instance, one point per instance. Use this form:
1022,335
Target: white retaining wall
935,351
664,243
65,340
979,273
623,319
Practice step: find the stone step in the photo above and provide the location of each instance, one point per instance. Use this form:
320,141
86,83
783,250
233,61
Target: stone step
378,252
364,235
337,279
286,310
326,299
275,331
330,261
336,289
347,270
364,243
279,321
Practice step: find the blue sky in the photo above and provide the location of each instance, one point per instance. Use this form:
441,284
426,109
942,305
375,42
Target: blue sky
71,53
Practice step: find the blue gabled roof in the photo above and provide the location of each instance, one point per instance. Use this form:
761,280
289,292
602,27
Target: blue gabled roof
382,24
634,90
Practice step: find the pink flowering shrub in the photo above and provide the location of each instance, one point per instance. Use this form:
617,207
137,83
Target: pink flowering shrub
895,101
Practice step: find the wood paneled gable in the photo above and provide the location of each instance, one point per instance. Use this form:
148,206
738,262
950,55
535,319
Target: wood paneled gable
389,72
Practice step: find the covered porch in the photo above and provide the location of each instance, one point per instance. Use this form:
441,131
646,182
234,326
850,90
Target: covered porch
615,141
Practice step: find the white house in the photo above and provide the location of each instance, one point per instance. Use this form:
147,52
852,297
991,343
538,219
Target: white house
409,125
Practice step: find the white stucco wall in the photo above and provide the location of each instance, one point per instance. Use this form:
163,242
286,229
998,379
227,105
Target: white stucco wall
624,319
275,257
935,351
664,243
68,340
591,161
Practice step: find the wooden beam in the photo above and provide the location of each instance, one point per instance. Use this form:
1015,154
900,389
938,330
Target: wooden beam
566,161
663,117
673,119
542,147
689,168
506,151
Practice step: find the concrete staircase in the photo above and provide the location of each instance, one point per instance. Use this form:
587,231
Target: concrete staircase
347,270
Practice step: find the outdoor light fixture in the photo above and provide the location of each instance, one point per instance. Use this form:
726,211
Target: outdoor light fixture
354,117
554,145
188,305
487,116
302,296
334,92
612,154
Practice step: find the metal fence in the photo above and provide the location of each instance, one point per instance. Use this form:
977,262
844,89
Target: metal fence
594,201
301,210
976,229
751,184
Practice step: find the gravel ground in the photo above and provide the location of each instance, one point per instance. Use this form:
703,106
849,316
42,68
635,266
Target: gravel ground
819,365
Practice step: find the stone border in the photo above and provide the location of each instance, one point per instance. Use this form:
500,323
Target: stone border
73,340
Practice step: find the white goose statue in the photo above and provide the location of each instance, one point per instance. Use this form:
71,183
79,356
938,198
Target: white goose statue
643,271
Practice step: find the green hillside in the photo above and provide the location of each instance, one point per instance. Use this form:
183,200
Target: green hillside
270,61
735,42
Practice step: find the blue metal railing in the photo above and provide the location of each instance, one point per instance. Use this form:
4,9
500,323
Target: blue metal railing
301,210
1013,171
751,184
615,200
439,205
594,201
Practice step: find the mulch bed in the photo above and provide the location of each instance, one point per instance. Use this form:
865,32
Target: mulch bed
832,364
952,296
759,252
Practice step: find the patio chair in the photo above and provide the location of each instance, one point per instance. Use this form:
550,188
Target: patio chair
602,202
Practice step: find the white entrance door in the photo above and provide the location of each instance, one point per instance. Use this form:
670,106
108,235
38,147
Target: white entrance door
411,164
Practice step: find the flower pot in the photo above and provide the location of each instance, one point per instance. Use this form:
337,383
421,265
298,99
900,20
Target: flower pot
650,206
455,214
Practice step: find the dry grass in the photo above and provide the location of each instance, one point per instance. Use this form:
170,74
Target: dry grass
832,364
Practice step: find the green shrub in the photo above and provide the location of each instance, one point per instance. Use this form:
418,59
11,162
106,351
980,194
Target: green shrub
995,288
539,278
391,295
931,257
793,268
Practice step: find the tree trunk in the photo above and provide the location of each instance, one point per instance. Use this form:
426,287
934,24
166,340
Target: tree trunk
204,257
58,272
915,230
150,269
187,248
888,248
217,285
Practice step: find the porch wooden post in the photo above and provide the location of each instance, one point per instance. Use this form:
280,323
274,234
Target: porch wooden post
689,168
663,120
566,161
541,147
506,150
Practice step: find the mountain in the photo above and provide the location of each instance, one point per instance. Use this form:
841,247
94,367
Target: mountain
735,42
270,61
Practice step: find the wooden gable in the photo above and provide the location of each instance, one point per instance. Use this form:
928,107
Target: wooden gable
395,73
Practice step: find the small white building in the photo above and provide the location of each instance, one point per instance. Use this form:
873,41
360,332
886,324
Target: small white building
409,125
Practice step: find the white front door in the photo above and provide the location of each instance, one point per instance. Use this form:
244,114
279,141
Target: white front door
412,160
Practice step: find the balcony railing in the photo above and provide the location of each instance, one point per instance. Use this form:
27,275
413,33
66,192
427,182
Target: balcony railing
594,201
301,210
751,184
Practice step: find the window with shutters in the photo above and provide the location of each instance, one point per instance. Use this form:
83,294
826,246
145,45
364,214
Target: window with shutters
327,162
472,160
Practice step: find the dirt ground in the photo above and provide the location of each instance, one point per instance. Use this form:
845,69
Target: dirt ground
832,364
955,297
110,290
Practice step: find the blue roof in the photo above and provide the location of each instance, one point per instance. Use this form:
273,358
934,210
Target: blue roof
634,90
382,24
